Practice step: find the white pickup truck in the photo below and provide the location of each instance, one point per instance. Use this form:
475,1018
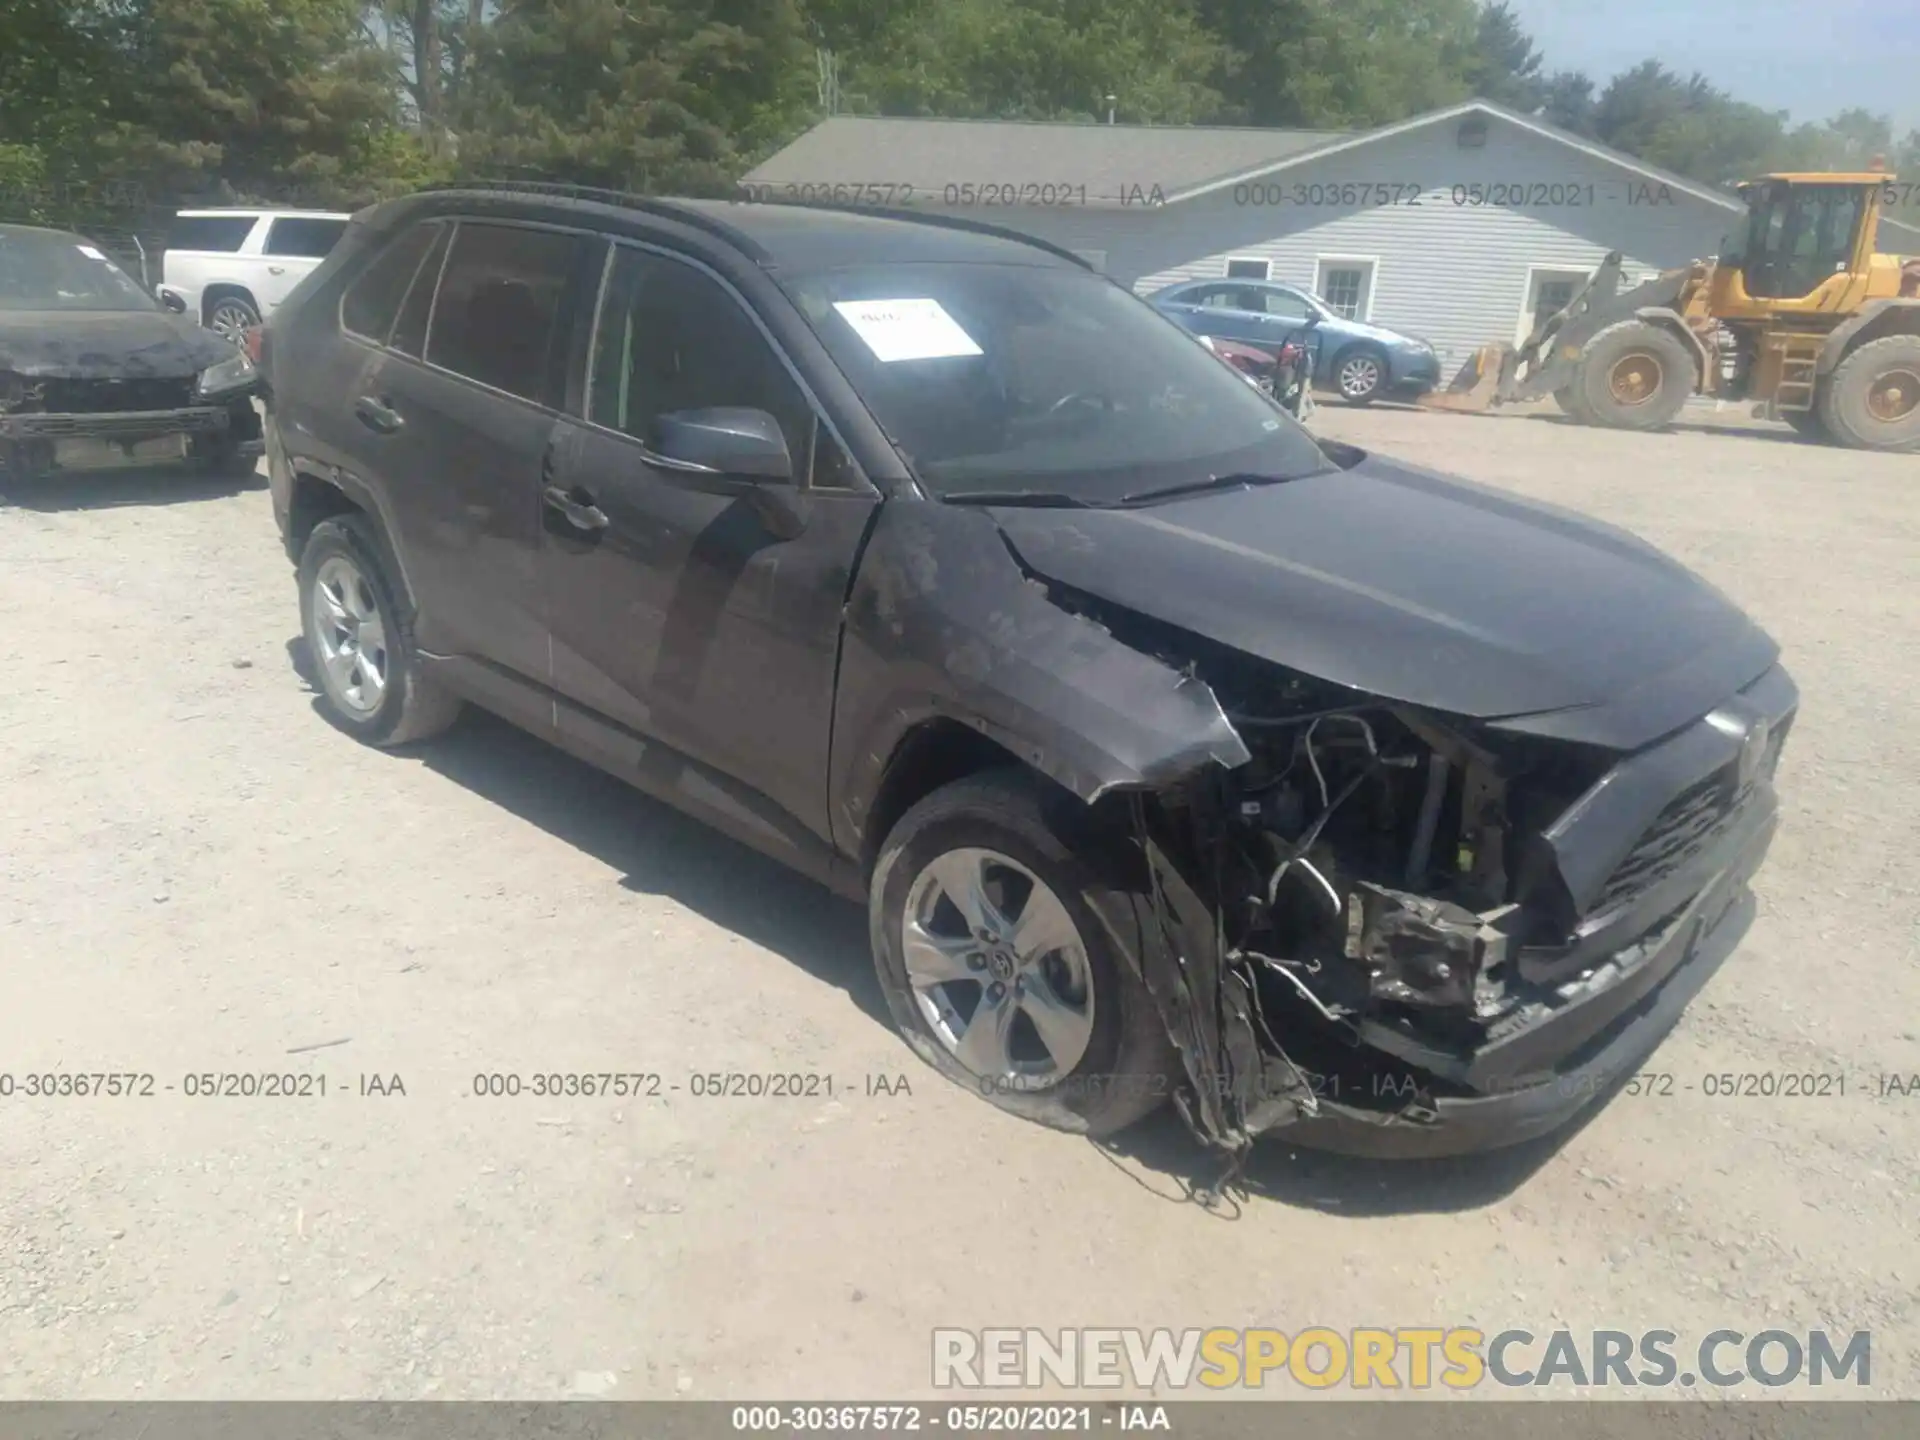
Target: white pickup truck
230,268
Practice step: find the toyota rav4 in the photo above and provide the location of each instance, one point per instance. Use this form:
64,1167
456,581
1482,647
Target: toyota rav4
1173,752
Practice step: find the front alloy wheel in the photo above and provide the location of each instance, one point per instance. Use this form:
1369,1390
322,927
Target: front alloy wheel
1007,926
1360,377
998,968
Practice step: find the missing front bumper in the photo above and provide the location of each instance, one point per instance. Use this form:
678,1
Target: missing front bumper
1598,1042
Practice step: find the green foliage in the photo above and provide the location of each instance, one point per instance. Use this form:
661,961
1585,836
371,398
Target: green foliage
646,96
342,101
1038,60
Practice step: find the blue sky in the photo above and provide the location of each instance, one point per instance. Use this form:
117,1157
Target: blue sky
1811,57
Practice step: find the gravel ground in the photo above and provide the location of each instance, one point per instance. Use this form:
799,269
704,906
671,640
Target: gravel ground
198,874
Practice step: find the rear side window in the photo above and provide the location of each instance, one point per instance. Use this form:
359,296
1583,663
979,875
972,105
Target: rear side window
501,309
304,238
374,299
209,232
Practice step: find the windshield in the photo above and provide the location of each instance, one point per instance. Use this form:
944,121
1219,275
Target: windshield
1016,379
47,270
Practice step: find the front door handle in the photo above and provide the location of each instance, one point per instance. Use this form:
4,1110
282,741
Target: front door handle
576,507
377,415
276,269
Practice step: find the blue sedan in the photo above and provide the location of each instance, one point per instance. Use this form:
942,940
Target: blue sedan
1360,362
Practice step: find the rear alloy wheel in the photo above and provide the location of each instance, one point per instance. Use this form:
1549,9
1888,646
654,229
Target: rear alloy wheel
231,316
1872,399
1360,374
361,643
997,934
1635,376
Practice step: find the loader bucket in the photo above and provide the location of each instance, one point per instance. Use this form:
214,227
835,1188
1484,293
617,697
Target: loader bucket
1472,389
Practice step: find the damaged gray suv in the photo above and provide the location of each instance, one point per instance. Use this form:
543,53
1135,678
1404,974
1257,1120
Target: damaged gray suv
1175,754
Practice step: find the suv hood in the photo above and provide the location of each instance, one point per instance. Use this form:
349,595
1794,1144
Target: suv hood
106,344
1414,586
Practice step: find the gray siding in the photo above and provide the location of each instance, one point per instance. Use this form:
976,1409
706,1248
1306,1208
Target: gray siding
1455,274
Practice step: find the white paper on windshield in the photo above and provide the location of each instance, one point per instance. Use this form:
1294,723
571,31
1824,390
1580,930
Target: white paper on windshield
907,329
90,252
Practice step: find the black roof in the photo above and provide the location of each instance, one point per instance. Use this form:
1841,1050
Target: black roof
789,236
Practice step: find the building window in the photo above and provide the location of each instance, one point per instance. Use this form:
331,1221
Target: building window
1548,292
1246,268
1347,287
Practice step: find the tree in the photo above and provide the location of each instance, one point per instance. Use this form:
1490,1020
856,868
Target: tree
1567,101
633,94
1505,67
1038,59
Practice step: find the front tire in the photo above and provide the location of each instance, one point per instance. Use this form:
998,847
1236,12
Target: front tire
1872,399
1000,934
361,642
1636,376
1360,374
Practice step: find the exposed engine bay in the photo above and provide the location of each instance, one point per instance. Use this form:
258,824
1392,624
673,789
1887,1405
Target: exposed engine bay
1390,920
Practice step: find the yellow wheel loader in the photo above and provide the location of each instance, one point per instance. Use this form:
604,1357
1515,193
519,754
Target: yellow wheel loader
1797,314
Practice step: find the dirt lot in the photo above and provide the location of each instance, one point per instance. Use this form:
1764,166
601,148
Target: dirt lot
198,874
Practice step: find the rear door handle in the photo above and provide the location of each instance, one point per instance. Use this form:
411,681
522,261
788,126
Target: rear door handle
576,506
276,269
377,416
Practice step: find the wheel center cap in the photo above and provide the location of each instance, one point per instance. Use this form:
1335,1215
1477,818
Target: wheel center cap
1001,964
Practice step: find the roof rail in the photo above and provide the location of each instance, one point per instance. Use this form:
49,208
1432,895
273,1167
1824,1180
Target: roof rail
627,199
951,222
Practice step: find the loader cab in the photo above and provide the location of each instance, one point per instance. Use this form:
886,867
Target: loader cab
1807,239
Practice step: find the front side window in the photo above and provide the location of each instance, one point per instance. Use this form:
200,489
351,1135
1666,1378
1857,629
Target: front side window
373,299
500,314
52,270
670,337
304,237
1041,378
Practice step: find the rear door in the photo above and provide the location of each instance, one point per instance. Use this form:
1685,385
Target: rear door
685,618
454,416
294,246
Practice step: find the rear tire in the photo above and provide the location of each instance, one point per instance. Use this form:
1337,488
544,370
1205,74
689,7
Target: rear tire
1807,422
1567,397
1013,828
1872,399
1635,376
232,315
366,666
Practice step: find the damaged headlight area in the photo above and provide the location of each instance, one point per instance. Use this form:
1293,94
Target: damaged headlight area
1386,910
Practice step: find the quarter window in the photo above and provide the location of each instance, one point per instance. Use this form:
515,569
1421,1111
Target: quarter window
671,338
371,300
500,314
410,331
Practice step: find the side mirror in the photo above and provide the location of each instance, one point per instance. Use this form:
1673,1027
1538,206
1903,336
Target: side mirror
738,453
174,301
728,445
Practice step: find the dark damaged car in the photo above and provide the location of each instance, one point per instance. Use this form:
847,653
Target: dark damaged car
1174,753
95,374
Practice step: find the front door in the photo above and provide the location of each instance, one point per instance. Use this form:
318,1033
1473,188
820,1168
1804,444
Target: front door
684,622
